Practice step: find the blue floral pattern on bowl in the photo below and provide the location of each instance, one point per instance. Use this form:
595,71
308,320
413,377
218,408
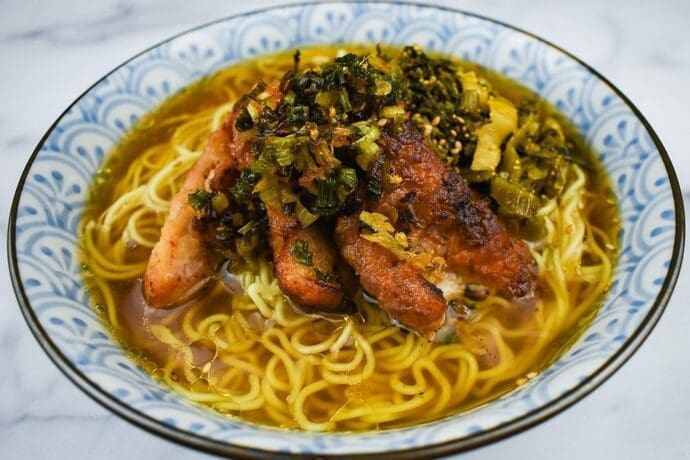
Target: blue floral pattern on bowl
49,201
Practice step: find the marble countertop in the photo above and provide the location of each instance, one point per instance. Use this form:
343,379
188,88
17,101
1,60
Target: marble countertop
51,51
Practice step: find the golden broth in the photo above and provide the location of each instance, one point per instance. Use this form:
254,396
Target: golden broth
253,355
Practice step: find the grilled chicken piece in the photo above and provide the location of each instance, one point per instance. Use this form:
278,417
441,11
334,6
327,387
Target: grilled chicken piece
438,211
181,262
317,286
399,288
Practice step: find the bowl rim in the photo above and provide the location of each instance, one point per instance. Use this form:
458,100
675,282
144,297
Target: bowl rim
500,432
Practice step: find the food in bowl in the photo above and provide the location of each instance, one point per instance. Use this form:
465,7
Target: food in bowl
345,238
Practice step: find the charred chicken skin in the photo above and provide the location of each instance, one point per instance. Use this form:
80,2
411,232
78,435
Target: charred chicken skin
399,288
437,210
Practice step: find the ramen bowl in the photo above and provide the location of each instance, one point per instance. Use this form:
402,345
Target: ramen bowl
50,198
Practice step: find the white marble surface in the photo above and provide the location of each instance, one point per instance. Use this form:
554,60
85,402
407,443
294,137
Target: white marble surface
51,51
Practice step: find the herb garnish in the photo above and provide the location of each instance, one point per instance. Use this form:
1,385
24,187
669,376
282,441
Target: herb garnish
301,253
200,199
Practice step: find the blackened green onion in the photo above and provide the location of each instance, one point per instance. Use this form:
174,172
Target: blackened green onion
280,148
248,228
244,185
344,101
289,208
199,199
298,114
301,253
348,177
327,198
374,187
244,121
325,277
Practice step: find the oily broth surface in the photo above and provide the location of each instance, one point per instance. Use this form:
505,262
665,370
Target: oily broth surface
136,320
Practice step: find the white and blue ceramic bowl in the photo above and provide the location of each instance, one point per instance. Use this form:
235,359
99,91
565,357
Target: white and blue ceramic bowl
52,190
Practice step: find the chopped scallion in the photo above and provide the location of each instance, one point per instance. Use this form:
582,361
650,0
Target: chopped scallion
348,176
301,253
200,199
304,216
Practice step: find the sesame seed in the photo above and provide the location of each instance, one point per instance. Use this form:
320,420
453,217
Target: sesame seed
436,120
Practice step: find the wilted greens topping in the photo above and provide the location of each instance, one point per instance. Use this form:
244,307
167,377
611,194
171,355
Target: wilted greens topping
315,146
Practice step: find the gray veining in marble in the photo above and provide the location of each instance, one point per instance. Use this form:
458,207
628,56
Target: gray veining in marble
51,51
